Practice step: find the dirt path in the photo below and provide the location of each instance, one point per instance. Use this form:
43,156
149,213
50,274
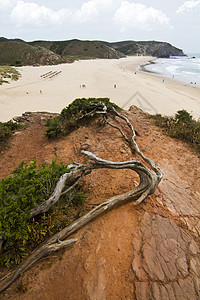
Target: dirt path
147,252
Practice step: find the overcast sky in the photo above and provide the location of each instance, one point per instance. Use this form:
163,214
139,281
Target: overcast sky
173,21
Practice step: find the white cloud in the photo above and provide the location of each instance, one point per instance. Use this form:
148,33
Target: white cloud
92,9
32,13
139,16
189,6
7,3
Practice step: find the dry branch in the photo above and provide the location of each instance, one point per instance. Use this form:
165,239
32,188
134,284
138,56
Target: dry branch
37,255
46,205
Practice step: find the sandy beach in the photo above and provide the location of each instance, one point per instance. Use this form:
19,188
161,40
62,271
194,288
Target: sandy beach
119,80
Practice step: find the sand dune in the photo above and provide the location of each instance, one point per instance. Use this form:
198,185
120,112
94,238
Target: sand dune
117,79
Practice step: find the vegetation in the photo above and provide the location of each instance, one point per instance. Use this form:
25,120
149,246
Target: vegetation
153,48
7,72
182,127
24,189
19,53
6,130
78,49
100,49
74,115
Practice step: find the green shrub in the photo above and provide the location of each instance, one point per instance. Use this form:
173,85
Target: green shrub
24,189
54,128
74,115
6,130
182,126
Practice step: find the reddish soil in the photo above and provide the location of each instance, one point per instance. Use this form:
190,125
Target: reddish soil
147,252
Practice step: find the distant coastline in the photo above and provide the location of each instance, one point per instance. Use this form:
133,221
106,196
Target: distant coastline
184,69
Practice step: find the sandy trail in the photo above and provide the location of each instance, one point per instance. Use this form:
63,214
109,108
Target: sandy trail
117,79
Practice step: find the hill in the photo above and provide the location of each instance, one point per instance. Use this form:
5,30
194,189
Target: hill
80,49
102,49
18,52
153,48
146,252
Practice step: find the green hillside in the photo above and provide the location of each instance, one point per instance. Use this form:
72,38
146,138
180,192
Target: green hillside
17,53
153,48
80,49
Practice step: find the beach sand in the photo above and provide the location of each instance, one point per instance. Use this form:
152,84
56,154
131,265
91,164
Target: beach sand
117,79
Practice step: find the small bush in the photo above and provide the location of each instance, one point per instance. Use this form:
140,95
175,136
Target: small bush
7,72
6,130
24,189
74,115
182,126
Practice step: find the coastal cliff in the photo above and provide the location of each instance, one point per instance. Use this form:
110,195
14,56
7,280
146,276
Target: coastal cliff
152,48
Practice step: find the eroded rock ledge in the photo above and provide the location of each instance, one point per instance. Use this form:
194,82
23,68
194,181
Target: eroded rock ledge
166,260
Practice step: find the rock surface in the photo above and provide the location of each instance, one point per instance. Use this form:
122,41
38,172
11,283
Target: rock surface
166,260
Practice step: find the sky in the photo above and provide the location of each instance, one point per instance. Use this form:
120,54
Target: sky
176,22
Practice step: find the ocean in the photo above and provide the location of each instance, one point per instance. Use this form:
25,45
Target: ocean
186,68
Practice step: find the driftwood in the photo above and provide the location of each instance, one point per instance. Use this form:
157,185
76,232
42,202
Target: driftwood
149,179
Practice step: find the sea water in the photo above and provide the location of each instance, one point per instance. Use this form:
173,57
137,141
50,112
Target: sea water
183,68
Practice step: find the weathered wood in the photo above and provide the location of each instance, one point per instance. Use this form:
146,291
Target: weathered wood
134,146
46,205
37,255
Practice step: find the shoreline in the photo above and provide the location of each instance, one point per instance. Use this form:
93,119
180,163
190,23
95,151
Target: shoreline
142,67
121,80
176,77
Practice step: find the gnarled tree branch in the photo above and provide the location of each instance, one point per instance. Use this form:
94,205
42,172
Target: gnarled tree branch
37,255
46,205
